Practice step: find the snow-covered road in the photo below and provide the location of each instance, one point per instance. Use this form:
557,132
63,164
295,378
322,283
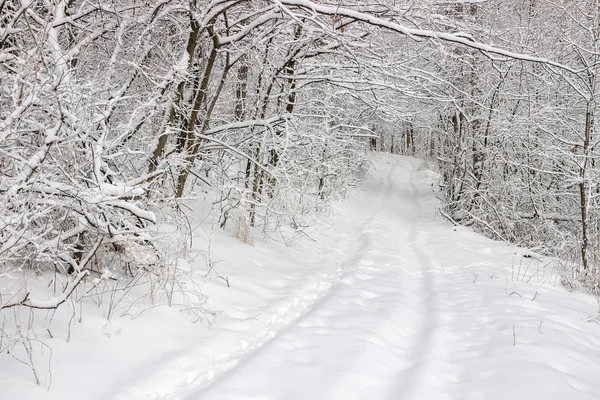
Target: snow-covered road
373,333
389,302
416,309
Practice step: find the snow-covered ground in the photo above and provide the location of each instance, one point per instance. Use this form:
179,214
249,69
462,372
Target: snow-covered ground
390,302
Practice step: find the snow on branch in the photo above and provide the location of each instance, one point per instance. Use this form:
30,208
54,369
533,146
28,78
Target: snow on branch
370,133
234,150
247,29
54,302
36,159
245,124
135,210
420,33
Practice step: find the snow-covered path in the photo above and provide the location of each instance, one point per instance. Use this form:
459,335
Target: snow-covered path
389,302
371,335
406,315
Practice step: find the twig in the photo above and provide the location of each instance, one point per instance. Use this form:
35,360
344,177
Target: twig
255,317
53,303
595,317
448,217
226,279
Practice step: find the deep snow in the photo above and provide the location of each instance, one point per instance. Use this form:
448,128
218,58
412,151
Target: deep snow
390,302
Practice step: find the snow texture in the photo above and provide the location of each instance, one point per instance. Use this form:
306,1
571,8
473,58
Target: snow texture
390,302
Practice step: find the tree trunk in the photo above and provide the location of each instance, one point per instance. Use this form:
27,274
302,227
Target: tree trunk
175,107
583,202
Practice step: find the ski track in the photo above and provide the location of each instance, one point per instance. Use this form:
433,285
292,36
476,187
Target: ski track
386,319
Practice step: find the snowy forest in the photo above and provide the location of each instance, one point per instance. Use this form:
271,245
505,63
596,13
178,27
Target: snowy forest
119,117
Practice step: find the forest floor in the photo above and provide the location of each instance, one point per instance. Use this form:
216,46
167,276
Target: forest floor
389,301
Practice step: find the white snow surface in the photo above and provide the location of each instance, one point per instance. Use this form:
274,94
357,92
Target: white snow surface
390,302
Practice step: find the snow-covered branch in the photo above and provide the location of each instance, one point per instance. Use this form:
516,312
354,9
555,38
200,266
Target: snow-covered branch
245,124
419,33
54,302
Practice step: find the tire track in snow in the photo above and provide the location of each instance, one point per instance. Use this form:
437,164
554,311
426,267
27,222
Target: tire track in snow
289,315
354,249
411,377
193,381
286,317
